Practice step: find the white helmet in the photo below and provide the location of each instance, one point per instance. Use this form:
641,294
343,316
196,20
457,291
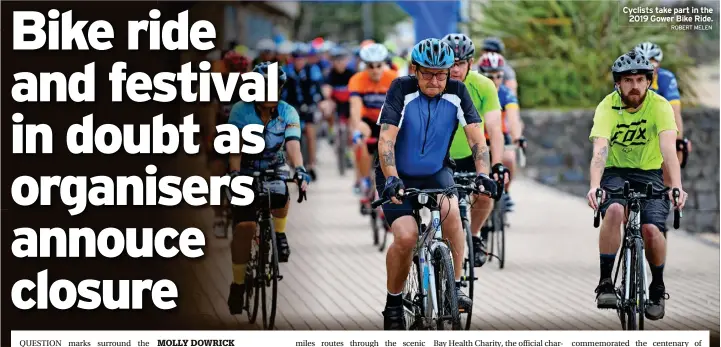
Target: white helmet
265,45
374,53
286,47
650,51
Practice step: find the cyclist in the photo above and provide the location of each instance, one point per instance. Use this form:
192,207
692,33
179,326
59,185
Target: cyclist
335,88
664,83
633,134
303,91
485,99
495,45
368,90
266,51
492,66
220,111
418,120
282,126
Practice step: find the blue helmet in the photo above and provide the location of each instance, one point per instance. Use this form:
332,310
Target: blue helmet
262,69
433,54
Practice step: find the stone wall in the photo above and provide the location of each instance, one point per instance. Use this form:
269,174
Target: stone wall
559,155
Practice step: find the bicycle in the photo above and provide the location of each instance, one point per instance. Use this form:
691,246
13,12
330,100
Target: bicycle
632,293
495,228
378,221
341,147
262,271
434,302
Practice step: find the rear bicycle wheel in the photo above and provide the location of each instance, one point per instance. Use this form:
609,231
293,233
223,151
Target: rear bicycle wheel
413,297
269,275
374,227
448,317
341,149
468,274
252,279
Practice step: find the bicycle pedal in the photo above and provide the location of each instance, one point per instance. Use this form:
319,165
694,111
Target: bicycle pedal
280,277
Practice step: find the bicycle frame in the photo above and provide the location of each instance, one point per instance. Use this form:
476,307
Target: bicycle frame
632,233
425,247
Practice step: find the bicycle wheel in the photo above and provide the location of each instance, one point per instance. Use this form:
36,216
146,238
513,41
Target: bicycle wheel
386,231
631,308
468,274
640,283
374,227
412,296
499,233
269,274
252,280
446,295
341,149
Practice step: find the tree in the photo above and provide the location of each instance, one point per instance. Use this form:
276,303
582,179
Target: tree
343,21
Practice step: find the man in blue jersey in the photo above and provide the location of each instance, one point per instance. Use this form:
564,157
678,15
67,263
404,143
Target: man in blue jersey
664,83
418,120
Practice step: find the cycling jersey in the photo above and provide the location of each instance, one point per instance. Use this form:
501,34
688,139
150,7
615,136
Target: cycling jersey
633,137
508,73
485,99
340,94
426,124
302,90
372,93
664,83
508,101
283,126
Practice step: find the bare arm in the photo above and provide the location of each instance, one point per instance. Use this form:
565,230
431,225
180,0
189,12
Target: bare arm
512,85
598,163
326,89
356,103
295,156
514,123
493,126
387,150
479,149
679,121
667,142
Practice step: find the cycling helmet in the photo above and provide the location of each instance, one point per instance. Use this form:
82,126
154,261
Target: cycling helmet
462,46
262,69
265,45
338,52
285,48
433,54
491,62
632,63
493,44
374,53
650,51
235,61
301,50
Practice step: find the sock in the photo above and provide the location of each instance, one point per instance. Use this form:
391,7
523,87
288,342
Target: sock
656,275
279,224
394,299
607,261
484,234
239,273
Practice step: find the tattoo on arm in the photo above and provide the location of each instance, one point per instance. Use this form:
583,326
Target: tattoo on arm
384,126
599,159
388,156
480,153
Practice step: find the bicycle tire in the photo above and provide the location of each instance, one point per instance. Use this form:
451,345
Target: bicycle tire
341,150
499,234
631,323
269,278
412,296
447,298
374,227
386,231
468,273
252,289
640,285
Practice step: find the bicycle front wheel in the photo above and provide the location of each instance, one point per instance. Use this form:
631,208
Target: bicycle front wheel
499,233
640,283
468,274
448,317
252,280
269,273
341,149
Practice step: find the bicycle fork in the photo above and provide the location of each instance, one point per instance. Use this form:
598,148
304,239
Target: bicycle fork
429,277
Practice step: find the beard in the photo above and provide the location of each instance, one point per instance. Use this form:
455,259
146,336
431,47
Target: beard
634,98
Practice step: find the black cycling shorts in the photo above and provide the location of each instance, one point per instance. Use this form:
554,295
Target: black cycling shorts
278,199
466,164
375,134
653,211
439,180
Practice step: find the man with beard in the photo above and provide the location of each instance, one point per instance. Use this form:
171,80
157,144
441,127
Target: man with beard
633,134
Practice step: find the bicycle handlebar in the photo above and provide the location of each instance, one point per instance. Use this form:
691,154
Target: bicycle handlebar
626,193
277,174
411,192
463,176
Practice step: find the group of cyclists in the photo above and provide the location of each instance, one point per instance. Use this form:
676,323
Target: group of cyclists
450,114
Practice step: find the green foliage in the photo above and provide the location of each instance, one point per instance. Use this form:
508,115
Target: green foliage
342,21
562,51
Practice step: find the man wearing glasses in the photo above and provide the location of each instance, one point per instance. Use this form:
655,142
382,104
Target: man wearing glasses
485,99
492,65
418,120
368,91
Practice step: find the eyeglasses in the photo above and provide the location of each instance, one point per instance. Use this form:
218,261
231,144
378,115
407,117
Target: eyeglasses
440,76
496,76
374,65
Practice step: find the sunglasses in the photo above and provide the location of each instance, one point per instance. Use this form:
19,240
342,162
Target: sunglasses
496,76
374,65
440,76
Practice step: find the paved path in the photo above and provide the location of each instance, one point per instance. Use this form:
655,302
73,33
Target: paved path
336,279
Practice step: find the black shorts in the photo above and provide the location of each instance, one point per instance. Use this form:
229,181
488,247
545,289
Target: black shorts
375,134
439,180
653,211
466,164
278,199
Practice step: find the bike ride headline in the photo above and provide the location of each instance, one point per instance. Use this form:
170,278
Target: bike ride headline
54,31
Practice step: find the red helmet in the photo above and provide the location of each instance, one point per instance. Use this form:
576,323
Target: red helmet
236,62
491,62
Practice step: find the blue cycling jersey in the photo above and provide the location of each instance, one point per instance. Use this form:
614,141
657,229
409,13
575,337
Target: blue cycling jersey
302,89
664,83
283,126
426,124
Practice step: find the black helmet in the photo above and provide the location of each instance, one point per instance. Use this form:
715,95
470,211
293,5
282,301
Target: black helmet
493,44
462,46
632,63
